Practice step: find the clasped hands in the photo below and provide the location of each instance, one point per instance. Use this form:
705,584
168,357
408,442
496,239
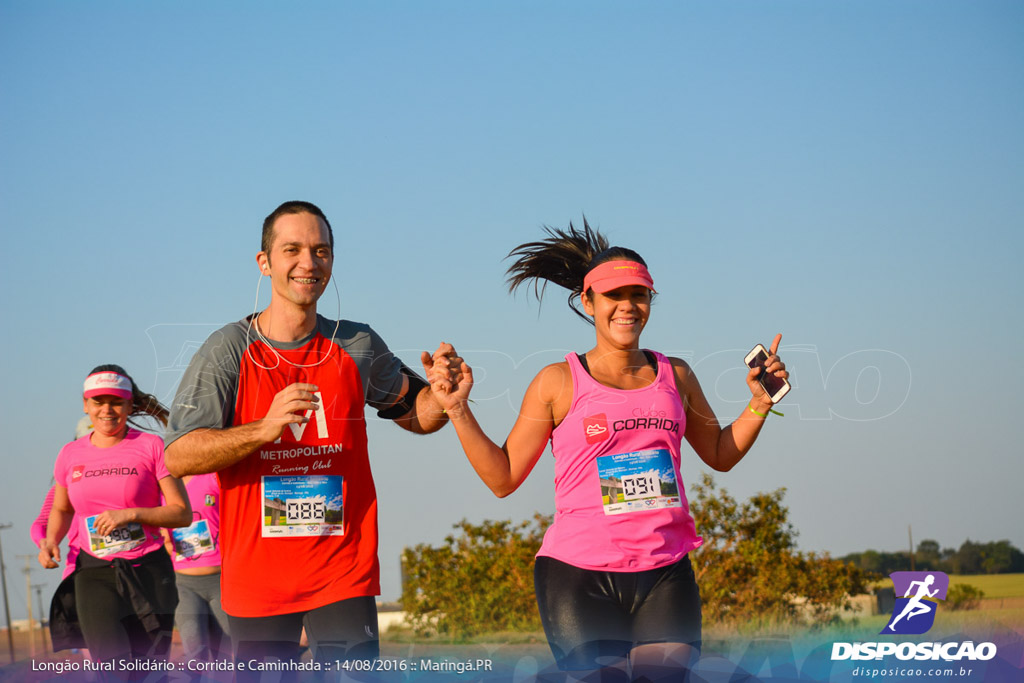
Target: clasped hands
450,377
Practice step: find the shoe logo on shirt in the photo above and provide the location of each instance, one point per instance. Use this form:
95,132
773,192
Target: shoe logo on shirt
77,472
595,428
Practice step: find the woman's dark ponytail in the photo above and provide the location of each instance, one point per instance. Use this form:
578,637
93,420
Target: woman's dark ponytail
564,258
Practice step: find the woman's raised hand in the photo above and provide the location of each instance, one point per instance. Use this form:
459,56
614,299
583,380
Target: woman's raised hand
773,365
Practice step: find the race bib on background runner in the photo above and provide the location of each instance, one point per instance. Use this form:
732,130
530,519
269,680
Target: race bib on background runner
302,506
642,480
121,539
192,541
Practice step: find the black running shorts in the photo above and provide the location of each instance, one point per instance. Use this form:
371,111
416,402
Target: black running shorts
343,630
592,618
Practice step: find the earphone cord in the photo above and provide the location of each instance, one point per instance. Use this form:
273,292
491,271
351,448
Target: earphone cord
259,335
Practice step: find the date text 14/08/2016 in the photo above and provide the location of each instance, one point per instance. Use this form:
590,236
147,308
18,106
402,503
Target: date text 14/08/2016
457,666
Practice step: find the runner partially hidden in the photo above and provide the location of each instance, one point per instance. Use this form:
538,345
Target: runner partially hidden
195,552
274,404
916,604
615,587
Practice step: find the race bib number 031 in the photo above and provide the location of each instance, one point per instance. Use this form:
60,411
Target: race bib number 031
642,480
121,539
302,506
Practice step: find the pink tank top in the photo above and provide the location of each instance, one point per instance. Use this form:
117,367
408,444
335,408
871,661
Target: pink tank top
620,503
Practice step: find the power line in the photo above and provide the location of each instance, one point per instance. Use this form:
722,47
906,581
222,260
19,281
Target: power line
7,604
43,622
27,571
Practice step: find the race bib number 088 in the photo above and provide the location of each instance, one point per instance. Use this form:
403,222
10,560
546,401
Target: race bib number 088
305,511
307,505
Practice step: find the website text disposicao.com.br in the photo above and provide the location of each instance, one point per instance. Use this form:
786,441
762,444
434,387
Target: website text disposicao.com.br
951,654
908,672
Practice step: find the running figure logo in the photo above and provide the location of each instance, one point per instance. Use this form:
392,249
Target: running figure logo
914,613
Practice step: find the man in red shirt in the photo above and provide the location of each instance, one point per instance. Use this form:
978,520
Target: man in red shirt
274,404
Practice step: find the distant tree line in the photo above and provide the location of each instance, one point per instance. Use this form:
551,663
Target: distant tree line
995,557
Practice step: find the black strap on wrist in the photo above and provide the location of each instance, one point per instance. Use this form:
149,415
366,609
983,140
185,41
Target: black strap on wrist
408,401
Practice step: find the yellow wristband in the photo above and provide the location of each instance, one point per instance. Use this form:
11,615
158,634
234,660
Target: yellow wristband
770,410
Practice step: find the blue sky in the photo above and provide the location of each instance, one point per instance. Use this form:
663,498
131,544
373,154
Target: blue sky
847,173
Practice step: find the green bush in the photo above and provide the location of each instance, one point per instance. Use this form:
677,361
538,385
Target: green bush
749,570
963,596
478,582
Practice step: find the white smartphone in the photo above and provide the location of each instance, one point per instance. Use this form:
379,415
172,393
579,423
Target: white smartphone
775,387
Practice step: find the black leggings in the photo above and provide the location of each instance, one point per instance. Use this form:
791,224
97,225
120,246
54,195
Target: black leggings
591,616
109,622
342,630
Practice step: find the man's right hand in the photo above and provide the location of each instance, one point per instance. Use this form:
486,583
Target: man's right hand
286,408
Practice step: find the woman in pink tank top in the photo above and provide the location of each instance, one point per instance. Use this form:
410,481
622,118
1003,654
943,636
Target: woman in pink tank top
615,587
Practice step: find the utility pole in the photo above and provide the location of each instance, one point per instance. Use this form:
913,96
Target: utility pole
42,626
7,603
911,535
28,598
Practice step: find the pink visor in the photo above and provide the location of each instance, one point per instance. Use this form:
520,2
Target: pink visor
107,383
613,274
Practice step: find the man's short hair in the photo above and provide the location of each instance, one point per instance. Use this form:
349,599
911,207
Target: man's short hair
287,208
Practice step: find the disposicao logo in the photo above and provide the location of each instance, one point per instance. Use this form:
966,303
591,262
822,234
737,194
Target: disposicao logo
914,613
